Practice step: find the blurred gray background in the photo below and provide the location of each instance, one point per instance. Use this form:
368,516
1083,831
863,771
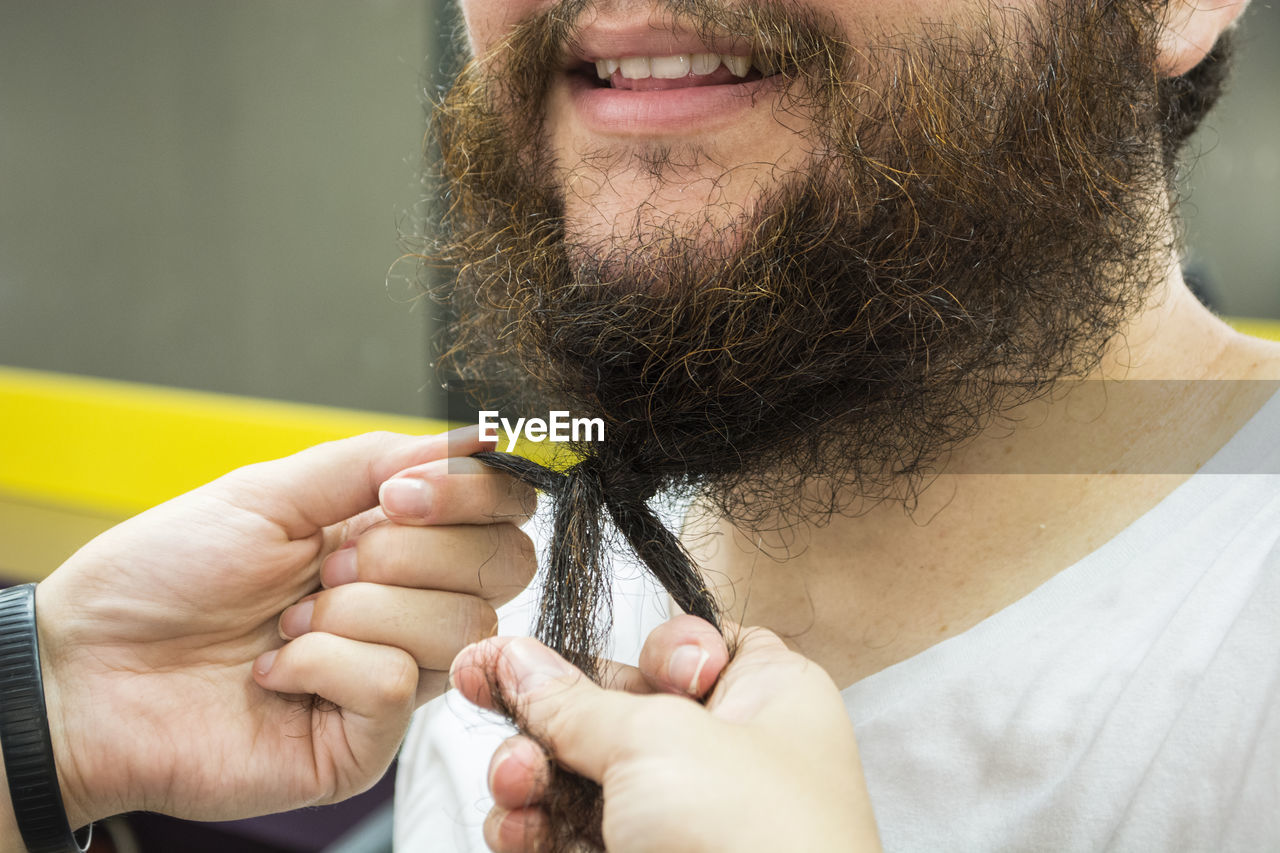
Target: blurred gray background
208,194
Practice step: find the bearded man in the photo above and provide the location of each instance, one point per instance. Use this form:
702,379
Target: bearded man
881,305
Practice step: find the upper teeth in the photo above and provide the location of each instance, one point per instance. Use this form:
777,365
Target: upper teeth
673,67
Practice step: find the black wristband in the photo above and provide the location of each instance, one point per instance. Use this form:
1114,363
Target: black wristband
24,732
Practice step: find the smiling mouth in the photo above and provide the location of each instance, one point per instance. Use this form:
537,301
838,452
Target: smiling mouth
679,71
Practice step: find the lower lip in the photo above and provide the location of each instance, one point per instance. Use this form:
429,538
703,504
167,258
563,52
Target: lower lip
622,112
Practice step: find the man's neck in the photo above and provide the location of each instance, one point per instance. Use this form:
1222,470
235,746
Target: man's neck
1014,507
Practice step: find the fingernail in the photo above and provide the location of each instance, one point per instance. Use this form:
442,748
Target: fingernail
296,620
405,496
467,432
462,657
340,566
533,664
493,829
458,441
265,661
685,667
499,758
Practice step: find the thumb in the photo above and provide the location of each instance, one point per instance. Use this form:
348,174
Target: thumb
331,482
576,719
772,686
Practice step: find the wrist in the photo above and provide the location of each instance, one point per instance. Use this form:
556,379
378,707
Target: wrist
64,727
35,794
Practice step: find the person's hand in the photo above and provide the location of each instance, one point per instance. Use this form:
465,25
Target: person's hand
769,764
167,686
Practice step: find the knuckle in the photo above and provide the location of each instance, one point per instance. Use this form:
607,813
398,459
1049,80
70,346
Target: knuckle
364,443
524,496
518,552
504,497
369,544
558,725
326,615
526,553
382,550
475,620
499,565
305,654
399,683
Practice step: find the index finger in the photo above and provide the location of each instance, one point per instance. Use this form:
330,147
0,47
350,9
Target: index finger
684,655
473,672
577,719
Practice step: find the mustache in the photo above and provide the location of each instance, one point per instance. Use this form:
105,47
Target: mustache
794,39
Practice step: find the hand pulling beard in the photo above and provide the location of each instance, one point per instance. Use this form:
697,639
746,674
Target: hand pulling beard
980,212
578,583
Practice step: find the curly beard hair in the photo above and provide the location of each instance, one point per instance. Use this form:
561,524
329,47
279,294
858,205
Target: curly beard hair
973,225
982,209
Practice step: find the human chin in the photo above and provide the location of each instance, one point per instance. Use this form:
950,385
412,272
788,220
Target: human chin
628,209
637,192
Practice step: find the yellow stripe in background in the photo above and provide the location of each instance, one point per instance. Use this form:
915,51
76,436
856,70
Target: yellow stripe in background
1269,329
116,448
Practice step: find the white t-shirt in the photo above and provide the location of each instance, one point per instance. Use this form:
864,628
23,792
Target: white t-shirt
1130,703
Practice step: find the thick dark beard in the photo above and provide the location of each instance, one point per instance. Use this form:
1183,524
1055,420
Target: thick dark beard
981,214
964,237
